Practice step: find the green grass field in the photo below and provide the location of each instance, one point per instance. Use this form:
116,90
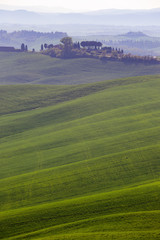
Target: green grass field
26,68
81,162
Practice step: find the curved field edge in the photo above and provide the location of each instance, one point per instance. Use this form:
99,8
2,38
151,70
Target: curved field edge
25,220
110,224
17,98
83,178
108,164
152,235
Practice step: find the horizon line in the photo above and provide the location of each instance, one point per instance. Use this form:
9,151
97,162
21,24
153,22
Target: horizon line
65,10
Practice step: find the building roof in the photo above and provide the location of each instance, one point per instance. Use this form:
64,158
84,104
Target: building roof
7,49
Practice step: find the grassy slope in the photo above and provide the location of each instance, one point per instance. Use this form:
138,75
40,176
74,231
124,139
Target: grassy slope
20,68
85,166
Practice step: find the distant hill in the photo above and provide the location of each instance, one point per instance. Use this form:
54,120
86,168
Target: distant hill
33,39
105,17
134,34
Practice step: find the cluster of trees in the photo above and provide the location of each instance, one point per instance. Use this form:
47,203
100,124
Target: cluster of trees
68,49
113,50
139,59
67,41
64,49
91,49
24,48
91,44
46,46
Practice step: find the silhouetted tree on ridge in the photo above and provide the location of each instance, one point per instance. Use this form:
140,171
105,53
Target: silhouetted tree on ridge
67,47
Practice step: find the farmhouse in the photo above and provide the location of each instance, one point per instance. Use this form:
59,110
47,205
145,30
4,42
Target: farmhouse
7,49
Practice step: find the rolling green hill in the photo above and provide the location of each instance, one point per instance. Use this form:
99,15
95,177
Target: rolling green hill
81,162
34,68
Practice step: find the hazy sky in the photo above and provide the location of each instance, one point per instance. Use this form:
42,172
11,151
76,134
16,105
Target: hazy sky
84,4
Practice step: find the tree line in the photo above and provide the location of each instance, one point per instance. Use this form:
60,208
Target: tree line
68,49
91,49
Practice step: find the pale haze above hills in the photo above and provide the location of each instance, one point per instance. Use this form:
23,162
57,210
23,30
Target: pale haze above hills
102,17
36,8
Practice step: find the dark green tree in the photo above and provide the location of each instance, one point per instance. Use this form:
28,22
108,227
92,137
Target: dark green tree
41,47
67,47
99,44
91,44
83,43
22,47
50,46
78,45
45,45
